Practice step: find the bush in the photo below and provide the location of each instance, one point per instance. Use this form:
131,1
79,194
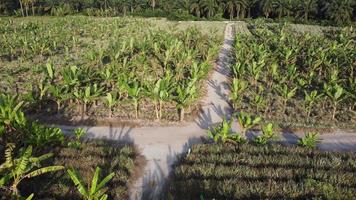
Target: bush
263,172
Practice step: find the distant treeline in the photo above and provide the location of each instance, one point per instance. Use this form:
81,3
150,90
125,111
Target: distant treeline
336,11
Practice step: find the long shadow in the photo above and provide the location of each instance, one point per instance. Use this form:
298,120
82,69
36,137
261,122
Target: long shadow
156,184
121,134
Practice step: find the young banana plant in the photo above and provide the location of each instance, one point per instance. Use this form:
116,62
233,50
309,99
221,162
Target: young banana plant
247,121
224,134
185,94
94,191
111,101
336,94
286,93
134,91
310,99
14,170
11,116
238,88
267,135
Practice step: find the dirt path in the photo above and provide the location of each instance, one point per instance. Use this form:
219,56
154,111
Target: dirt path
161,145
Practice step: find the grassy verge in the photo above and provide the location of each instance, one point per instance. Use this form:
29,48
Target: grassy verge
269,172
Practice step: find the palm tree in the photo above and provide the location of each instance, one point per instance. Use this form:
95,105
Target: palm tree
249,5
339,11
210,7
267,7
153,3
280,7
183,4
195,8
230,6
241,6
308,7
21,7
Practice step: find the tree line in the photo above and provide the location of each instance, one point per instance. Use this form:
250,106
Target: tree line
339,11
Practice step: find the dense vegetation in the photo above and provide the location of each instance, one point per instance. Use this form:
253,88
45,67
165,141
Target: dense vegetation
299,79
33,159
223,171
340,11
81,66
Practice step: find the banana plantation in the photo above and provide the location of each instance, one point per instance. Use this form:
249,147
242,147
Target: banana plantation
95,108
130,72
295,79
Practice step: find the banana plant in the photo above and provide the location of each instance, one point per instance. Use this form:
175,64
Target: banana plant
94,191
286,94
185,95
11,116
121,85
238,87
111,101
310,99
247,121
79,133
267,135
134,91
15,170
224,134
336,94
58,95
87,95
310,140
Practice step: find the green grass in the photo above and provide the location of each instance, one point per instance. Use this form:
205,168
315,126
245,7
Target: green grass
216,171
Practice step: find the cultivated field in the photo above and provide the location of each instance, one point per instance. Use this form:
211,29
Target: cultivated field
268,172
296,78
123,68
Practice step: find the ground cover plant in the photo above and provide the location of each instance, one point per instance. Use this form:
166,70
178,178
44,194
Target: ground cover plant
295,79
118,68
248,171
33,160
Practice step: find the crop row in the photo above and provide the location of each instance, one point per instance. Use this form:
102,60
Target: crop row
205,173
299,78
154,71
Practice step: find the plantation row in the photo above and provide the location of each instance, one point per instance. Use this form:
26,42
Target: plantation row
222,171
33,160
292,78
152,74
340,11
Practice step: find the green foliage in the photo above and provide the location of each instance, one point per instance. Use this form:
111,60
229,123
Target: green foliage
339,11
96,190
142,75
40,136
309,141
79,133
247,121
25,166
224,134
224,171
295,78
11,116
268,134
